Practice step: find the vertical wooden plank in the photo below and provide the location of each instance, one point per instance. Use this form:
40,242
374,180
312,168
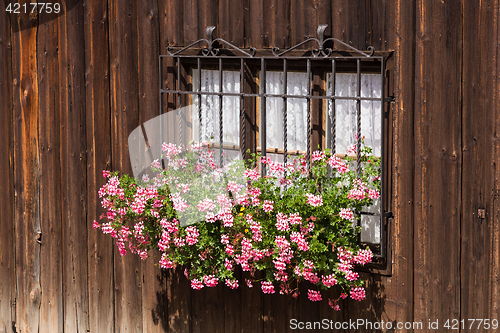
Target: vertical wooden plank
438,156
279,310
171,23
7,250
352,22
306,17
381,34
26,176
479,83
190,20
51,312
254,31
398,288
124,94
177,291
268,24
252,308
73,171
207,16
98,126
232,307
494,298
148,50
180,318
307,310
230,26
208,310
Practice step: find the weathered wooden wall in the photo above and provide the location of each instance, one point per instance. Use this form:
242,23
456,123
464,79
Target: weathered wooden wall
72,89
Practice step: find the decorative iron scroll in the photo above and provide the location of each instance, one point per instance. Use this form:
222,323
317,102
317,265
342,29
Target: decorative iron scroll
210,50
321,51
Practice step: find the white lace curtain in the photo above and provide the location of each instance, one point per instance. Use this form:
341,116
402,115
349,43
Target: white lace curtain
210,107
346,114
345,110
296,111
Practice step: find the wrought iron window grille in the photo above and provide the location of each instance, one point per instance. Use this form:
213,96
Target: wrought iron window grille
221,55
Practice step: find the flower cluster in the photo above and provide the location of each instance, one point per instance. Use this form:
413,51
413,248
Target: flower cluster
296,224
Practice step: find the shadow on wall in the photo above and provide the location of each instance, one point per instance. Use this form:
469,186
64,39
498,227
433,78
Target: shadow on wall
175,313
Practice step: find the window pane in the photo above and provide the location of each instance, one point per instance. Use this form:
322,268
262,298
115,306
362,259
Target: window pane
296,111
370,224
210,107
346,129
345,111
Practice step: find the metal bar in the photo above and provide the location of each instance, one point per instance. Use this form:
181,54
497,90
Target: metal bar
333,122
160,110
221,120
160,83
285,114
200,116
308,155
263,112
272,57
179,103
242,108
382,166
358,130
354,98
358,115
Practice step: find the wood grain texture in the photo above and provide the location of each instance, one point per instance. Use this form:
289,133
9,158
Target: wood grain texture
174,301
7,223
190,11
353,22
305,18
232,307
277,23
148,47
179,302
278,310
26,177
252,307
231,17
399,287
171,18
98,127
74,88
479,84
52,305
125,117
208,310
494,297
438,159
255,28
73,160
207,16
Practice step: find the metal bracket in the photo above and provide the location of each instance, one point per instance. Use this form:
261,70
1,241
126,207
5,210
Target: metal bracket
389,215
390,99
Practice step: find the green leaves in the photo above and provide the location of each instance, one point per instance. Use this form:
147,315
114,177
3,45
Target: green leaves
303,237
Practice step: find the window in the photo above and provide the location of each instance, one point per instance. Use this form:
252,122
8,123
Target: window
279,103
